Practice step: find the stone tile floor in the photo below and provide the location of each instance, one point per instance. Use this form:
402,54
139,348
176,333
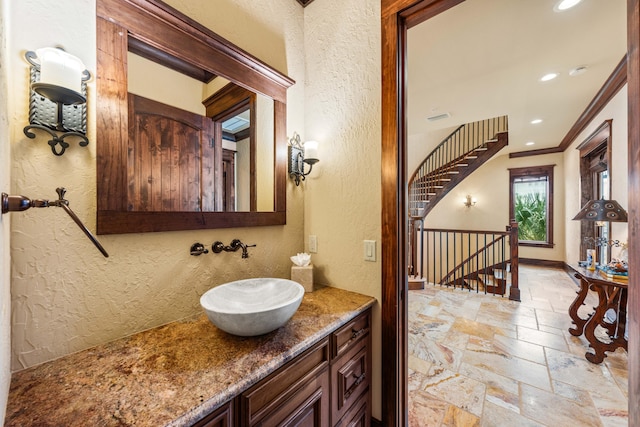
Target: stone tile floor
482,360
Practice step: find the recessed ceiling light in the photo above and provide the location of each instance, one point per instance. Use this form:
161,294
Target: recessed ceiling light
565,4
438,117
536,121
581,69
549,76
529,143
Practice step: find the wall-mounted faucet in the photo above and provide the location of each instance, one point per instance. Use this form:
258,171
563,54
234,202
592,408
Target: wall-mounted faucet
235,244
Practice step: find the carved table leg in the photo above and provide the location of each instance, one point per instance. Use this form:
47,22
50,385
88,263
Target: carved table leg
606,297
575,305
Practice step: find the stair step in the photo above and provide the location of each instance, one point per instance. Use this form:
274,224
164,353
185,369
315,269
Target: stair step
471,157
441,175
464,165
492,140
480,149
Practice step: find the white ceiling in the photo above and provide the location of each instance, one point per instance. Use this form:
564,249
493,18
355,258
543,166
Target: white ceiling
484,58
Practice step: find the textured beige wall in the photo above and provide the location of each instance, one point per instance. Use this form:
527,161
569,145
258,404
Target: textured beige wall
616,110
65,295
342,112
5,257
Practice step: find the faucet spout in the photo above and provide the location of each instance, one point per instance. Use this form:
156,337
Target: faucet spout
236,243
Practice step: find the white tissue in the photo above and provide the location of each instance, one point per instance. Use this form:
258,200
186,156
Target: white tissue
301,260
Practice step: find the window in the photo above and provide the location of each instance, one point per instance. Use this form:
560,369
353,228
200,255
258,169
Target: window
531,204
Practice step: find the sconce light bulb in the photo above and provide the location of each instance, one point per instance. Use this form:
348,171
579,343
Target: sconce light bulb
61,76
311,152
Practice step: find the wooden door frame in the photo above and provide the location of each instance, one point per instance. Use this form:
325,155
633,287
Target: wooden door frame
396,17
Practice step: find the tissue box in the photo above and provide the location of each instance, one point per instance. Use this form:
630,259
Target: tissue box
304,276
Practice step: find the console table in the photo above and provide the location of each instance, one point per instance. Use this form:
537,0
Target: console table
612,294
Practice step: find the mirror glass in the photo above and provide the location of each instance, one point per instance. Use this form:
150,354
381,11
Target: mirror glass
148,79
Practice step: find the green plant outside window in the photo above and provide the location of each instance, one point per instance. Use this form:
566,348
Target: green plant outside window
530,208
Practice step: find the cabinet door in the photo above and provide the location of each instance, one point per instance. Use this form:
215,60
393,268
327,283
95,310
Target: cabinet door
221,417
358,415
283,388
308,407
350,376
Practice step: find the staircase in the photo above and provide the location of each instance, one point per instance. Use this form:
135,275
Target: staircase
455,158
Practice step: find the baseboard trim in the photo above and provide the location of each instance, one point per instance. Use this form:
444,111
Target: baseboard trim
542,263
375,423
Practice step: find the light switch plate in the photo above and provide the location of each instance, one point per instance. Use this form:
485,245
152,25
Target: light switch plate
369,250
313,243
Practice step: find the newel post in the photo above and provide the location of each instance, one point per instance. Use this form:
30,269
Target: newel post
514,291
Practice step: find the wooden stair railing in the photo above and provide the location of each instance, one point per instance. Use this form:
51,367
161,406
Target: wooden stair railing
459,257
455,158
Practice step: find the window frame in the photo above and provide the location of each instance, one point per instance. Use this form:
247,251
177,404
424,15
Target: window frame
595,148
532,171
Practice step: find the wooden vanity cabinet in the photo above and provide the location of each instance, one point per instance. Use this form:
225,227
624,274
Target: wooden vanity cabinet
327,385
221,417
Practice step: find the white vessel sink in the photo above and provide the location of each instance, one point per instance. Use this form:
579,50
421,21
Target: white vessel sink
253,306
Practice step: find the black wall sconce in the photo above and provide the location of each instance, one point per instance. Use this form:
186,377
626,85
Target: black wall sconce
299,154
57,101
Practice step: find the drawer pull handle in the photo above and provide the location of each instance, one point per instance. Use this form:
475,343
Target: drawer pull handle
355,334
355,385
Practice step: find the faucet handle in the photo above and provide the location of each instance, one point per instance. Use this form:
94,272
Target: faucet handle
198,249
217,247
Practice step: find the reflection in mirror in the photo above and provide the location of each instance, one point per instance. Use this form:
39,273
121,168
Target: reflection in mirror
246,181
237,147
165,87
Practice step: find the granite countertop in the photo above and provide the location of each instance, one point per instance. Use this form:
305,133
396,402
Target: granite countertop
170,375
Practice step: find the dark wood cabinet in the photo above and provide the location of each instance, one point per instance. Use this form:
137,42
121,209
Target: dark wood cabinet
351,373
221,417
299,387
307,406
327,385
359,415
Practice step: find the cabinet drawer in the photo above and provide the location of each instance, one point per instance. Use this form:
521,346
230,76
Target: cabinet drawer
350,333
350,377
309,406
221,417
274,390
358,415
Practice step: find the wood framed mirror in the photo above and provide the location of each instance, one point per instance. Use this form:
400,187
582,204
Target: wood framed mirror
195,182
